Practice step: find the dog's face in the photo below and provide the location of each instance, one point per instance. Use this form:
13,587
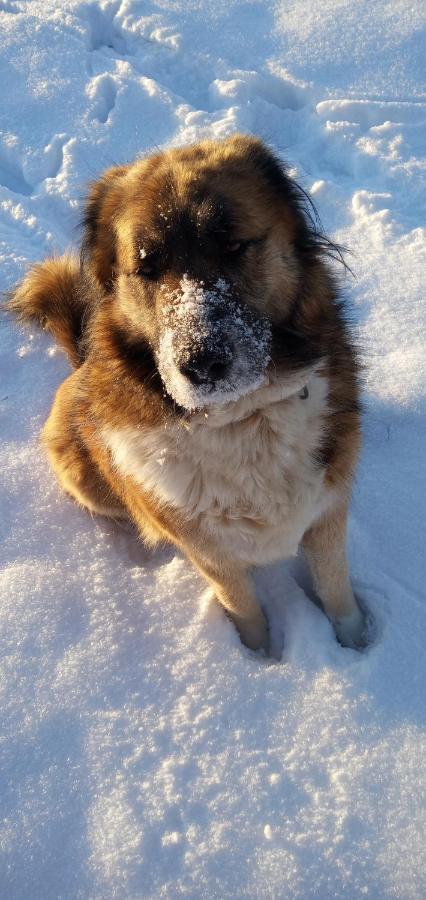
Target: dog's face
200,249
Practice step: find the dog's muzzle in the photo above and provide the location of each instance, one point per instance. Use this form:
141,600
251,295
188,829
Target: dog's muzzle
213,348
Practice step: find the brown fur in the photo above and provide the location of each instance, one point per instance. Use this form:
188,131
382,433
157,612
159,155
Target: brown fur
49,297
105,314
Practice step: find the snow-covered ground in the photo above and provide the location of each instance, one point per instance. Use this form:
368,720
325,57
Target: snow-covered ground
145,752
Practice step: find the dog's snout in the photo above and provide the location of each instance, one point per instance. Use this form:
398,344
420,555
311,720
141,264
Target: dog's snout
207,366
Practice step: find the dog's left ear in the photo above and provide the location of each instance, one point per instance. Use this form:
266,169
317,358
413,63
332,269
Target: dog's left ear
98,252
286,189
310,241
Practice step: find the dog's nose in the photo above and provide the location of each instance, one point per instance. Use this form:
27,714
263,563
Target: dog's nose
207,366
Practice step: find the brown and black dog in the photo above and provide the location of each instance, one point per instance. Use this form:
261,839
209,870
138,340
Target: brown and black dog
215,392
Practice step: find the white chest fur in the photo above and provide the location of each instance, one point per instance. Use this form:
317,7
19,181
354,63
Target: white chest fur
245,472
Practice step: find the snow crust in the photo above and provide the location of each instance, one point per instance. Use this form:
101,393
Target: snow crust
144,751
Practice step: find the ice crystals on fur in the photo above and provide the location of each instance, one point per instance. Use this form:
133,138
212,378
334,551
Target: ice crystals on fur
197,318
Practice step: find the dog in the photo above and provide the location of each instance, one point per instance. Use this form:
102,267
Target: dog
215,392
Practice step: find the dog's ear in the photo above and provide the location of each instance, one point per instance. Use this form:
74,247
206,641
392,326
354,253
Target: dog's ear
286,189
98,252
310,241
257,154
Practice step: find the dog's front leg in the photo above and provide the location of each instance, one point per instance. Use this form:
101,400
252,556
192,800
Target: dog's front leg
233,588
230,580
324,546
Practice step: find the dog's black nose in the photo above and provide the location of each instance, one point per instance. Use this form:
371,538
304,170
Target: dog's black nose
207,366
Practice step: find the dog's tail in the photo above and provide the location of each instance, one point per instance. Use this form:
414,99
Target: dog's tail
49,297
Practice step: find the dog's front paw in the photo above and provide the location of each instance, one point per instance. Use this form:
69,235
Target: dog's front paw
254,633
351,630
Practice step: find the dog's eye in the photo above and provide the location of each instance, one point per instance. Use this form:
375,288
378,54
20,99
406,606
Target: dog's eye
237,247
147,271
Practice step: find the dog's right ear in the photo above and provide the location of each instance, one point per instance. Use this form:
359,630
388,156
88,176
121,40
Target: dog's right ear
98,251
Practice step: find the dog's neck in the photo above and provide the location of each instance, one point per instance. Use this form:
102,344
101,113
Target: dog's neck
277,388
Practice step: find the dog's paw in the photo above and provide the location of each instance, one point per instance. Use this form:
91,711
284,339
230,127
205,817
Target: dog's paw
352,630
254,633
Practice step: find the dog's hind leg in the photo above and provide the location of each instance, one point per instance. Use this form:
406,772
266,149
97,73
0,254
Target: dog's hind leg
325,549
71,462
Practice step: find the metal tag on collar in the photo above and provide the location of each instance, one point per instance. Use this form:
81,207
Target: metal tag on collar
304,393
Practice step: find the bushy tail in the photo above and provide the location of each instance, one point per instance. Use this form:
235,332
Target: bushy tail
49,297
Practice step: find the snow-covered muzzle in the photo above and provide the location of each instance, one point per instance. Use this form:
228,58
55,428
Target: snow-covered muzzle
213,348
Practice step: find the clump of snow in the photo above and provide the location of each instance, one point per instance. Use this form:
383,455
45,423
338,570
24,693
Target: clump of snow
199,320
144,751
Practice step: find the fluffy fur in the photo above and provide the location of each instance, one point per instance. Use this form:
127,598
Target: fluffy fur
215,392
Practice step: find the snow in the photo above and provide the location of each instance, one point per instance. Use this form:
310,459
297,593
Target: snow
145,752
198,320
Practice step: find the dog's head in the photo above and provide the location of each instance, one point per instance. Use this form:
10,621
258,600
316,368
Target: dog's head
204,253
